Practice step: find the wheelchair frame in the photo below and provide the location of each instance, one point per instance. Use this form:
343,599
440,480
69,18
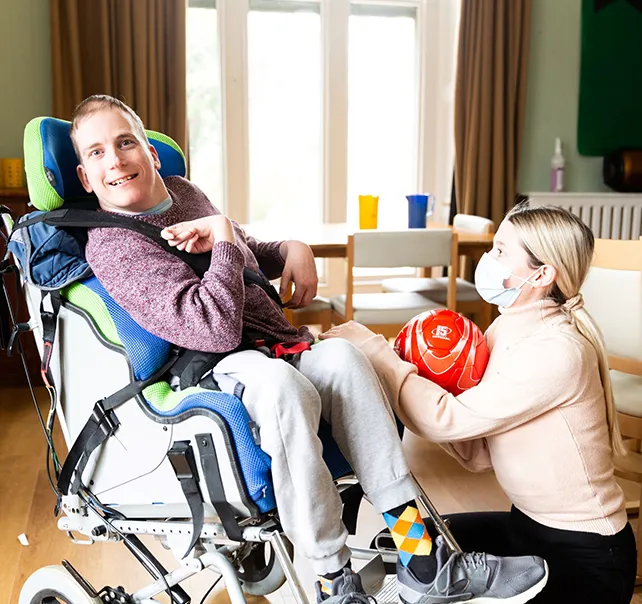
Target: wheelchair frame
214,550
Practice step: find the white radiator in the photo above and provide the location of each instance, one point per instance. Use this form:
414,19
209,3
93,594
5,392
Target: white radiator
610,215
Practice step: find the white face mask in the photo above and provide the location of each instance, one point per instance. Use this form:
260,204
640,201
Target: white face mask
489,281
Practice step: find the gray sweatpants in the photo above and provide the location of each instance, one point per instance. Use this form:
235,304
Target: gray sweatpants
334,380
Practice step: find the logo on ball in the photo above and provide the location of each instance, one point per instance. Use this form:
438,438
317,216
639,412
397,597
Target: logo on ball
442,332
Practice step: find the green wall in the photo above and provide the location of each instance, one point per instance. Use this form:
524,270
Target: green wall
551,102
25,69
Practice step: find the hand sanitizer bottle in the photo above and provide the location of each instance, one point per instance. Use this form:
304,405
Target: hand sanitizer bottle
557,168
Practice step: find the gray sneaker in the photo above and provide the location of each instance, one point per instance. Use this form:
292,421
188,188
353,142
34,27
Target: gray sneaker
478,578
346,589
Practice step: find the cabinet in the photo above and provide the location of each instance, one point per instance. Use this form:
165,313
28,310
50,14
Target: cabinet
11,370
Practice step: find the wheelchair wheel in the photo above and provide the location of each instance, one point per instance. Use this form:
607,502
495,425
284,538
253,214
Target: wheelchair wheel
261,573
54,585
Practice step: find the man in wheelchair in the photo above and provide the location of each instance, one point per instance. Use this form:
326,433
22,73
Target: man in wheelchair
241,321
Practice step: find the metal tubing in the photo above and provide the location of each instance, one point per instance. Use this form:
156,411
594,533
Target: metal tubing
286,564
437,520
223,566
161,585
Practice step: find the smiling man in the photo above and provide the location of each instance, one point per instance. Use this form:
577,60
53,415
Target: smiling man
117,162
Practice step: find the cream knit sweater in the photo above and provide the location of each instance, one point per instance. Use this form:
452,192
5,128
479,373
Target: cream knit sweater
538,418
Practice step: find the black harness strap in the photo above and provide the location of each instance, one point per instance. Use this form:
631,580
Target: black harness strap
182,459
99,427
199,263
209,464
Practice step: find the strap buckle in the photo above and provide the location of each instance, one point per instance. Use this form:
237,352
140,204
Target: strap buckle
287,351
181,456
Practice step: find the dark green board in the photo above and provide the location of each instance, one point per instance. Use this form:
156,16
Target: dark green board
610,103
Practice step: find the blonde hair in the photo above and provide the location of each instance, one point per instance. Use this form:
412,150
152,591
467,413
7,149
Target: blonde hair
560,239
100,102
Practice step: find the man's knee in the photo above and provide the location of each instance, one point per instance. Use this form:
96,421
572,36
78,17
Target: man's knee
341,357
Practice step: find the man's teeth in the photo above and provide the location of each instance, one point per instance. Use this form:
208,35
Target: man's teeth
122,180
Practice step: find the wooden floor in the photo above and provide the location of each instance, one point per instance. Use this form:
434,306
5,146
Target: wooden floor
26,507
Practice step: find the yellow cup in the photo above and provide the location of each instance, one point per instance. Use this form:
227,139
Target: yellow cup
368,211
13,172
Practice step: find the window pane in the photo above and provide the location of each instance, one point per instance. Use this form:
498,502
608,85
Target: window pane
284,63
204,103
382,114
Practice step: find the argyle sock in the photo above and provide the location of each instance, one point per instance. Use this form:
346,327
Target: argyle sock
413,542
326,580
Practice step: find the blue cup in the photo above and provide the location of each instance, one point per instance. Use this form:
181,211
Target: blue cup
419,207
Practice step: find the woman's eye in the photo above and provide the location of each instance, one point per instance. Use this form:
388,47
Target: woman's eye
127,142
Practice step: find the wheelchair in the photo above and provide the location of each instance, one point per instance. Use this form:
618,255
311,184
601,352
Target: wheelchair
183,466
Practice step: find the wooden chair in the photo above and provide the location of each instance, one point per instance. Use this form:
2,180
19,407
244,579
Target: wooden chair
435,288
613,295
387,313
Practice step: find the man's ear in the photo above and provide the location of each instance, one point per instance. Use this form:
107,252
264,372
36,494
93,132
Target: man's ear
82,175
155,157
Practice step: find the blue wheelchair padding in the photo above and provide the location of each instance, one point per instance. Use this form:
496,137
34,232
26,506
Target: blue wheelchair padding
147,353
49,257
50,162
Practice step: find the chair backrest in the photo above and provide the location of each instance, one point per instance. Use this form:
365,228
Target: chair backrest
613,295
473,224
411,247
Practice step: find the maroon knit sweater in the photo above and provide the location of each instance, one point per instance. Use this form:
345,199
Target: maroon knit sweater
168,299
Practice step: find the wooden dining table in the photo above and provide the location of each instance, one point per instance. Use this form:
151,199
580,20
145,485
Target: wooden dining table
331,240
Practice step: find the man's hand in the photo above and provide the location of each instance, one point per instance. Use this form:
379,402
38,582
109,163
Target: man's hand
301,270
352,331
198,236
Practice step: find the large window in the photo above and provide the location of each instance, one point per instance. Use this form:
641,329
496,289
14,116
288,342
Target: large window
285,96
204,101
383,110
296,107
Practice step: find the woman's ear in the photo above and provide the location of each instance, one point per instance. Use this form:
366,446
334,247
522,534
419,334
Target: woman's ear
546,276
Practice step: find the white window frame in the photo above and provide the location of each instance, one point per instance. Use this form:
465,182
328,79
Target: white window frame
437,22
435,142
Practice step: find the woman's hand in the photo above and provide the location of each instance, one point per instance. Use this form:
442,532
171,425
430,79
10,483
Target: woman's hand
198,236
352,331
301,270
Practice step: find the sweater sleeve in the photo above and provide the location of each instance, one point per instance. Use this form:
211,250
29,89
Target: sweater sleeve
164,295
471,454
268,256
540,375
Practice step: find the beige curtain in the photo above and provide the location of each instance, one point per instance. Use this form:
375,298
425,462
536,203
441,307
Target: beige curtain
490,95
134,50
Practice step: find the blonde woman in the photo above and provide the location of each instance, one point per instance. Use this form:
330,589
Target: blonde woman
542,416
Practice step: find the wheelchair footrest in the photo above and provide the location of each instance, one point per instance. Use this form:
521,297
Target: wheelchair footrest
376,582
388,593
